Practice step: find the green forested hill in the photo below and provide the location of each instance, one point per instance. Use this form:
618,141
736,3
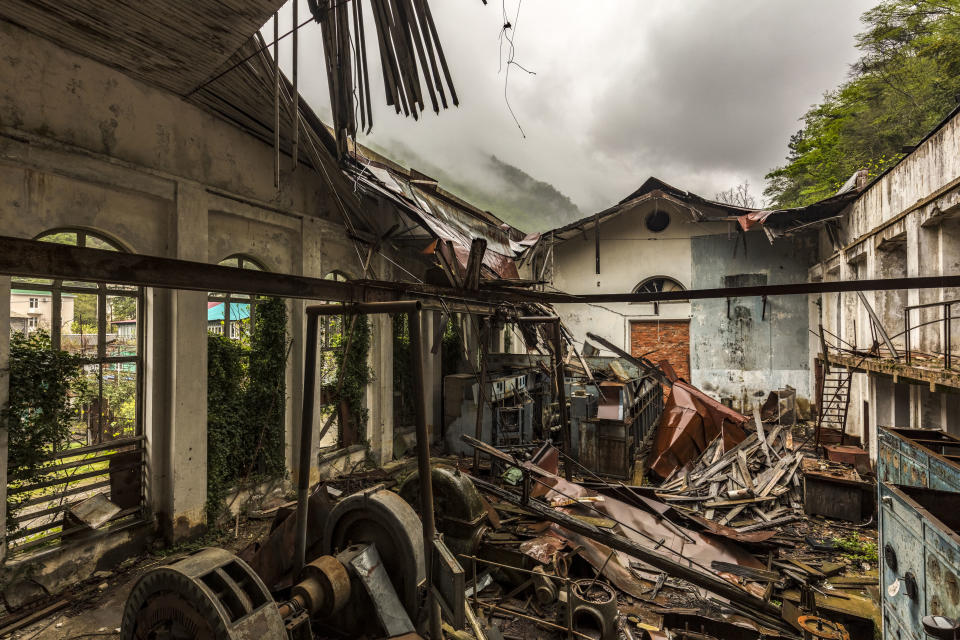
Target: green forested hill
906,80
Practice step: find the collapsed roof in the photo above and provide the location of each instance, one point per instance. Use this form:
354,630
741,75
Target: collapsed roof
775,222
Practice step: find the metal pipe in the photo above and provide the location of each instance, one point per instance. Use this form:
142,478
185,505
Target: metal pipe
562,397
306,445
423,463
412,308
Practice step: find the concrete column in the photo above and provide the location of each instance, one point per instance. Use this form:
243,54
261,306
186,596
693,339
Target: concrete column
435,381
4,397
431,374
185,495
380,391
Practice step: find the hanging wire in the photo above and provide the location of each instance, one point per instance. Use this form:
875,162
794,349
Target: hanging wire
508,32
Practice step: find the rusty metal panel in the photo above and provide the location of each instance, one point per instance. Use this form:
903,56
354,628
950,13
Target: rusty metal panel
919,558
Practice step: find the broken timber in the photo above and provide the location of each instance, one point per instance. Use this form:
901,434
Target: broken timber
712,583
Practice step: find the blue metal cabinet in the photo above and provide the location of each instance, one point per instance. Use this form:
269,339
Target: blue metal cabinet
919,458
921,549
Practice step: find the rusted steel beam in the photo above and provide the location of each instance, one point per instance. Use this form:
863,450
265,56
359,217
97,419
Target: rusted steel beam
30,258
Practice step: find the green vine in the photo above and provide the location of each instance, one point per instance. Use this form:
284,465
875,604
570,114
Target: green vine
355,373
402,380
452,348
39,412
246,398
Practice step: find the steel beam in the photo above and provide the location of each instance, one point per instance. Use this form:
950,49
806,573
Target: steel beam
33,259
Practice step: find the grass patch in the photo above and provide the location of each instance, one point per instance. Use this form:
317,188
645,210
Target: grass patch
856,548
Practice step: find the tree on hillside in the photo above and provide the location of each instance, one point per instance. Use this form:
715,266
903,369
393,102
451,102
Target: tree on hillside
906,80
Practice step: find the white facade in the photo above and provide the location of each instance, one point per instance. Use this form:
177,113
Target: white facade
905,224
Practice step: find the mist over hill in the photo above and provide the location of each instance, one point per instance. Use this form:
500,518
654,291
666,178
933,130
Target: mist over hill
507,191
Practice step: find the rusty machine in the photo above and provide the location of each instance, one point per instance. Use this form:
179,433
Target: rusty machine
328,566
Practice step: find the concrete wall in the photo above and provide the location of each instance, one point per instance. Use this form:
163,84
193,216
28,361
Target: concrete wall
734,357
738,350
84,146
906,224
629,254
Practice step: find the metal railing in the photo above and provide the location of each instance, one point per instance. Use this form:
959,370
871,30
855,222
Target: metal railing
946,318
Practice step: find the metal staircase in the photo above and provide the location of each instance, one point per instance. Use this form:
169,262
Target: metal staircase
834,400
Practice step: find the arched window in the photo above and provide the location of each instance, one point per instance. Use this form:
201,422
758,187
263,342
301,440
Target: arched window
101,323
233,314
659,284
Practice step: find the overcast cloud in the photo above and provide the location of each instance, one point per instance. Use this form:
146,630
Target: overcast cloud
703,94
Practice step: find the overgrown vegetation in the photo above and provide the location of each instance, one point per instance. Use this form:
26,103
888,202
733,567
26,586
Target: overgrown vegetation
39,413
403,409
906,80
856,549
452,348
246,397
351,365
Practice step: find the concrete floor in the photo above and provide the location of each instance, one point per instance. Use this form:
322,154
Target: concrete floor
98,609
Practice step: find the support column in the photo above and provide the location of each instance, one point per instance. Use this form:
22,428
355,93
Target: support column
380,391
185,492
433,365
311,261
4,396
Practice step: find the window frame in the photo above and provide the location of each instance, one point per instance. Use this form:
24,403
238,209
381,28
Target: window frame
53,290
227,325
656,304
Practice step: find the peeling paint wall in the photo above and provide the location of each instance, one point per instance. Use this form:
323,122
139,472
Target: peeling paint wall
737,350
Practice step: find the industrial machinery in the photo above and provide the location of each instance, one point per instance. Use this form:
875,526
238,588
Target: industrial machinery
369,559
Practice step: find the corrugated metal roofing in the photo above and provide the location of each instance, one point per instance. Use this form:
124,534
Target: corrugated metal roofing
173,44
237,312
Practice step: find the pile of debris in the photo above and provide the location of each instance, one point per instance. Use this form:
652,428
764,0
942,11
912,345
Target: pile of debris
750,487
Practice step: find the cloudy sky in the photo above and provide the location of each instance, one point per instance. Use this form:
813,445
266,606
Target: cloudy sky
701,93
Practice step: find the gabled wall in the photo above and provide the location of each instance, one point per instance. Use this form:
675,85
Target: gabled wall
735,356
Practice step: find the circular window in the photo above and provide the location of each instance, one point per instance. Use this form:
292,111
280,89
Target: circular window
658,220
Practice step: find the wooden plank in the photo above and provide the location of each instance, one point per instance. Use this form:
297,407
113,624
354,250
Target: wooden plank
803,565
732,513
761,436
758,575
730,503
744,470
767,525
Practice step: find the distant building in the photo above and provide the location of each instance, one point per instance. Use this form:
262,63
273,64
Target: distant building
125,329
238,314
31,310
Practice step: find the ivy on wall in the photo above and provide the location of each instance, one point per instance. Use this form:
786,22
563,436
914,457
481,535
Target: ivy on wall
246,398
403,409
352,367
39,412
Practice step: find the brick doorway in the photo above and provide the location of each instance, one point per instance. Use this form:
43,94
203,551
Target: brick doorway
667,340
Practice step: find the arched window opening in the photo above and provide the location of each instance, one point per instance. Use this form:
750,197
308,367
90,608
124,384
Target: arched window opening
659,284
233,314
247,351
332,342
95,450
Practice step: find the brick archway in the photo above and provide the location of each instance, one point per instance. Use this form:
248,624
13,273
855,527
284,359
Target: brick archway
667,340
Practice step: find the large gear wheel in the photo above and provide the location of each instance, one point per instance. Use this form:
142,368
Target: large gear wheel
209,595
382,518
